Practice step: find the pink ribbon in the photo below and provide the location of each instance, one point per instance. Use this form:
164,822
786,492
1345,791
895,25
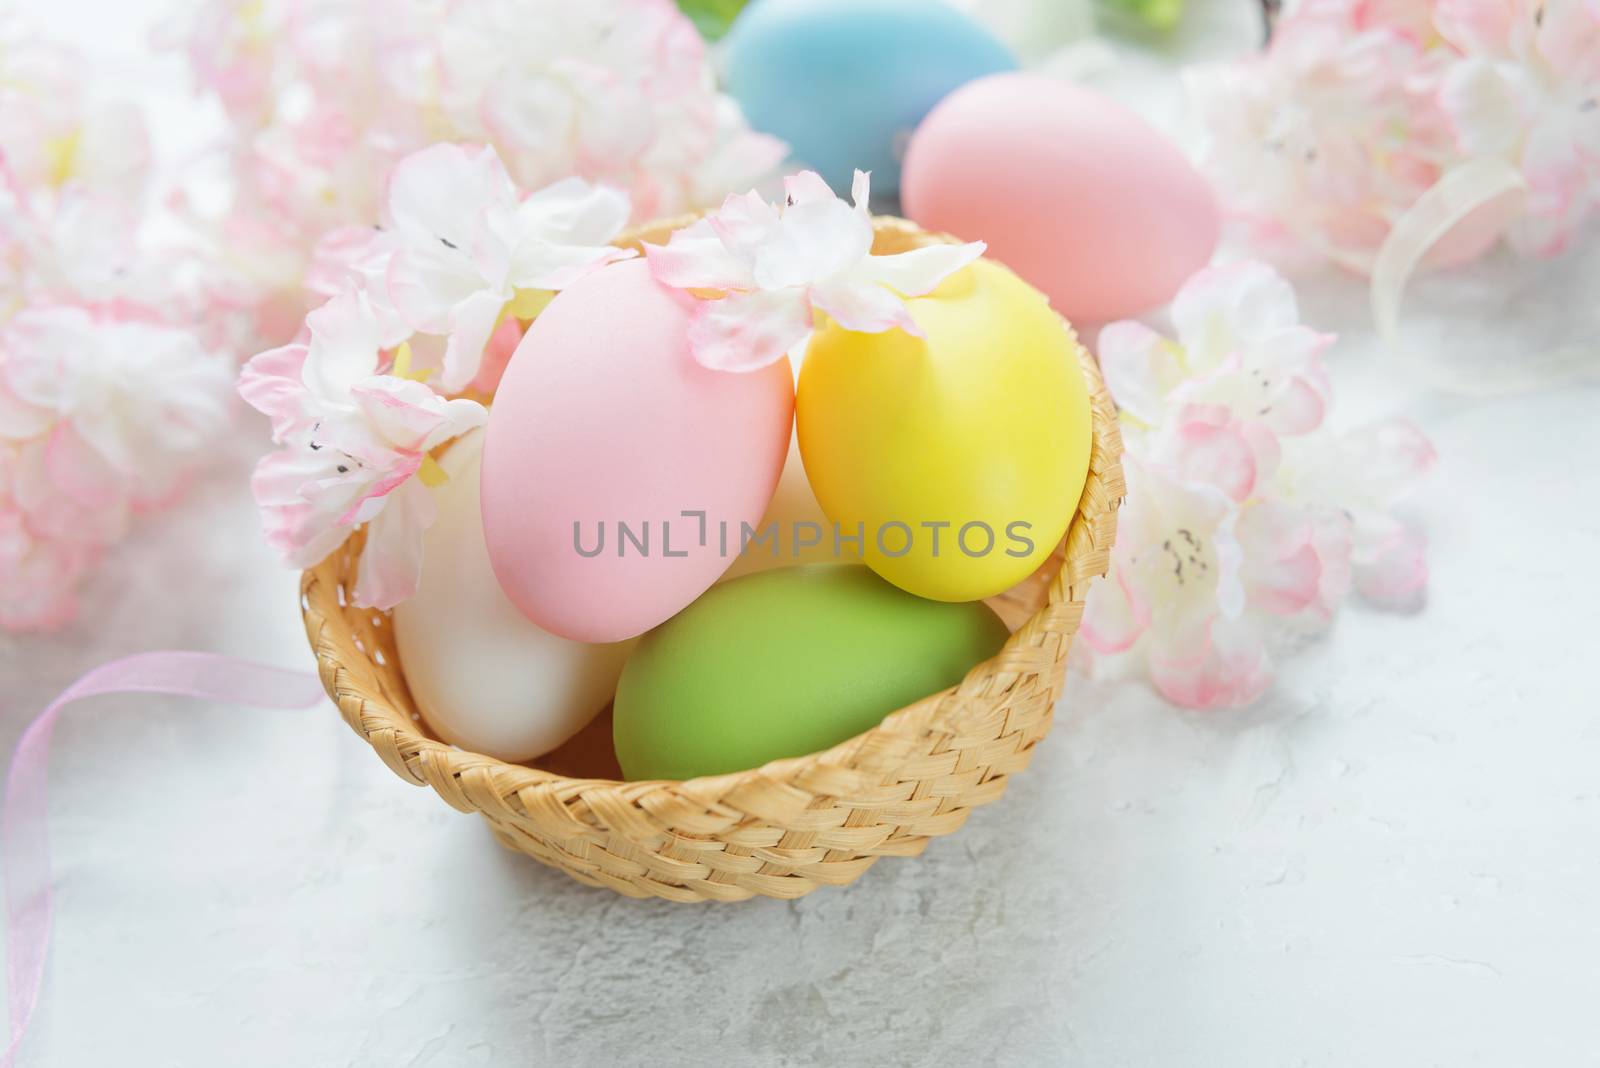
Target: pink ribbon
27,845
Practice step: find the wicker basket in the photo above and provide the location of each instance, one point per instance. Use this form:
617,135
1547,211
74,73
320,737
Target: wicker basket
780,830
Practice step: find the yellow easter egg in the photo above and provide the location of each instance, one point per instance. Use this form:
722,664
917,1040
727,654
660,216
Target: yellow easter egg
957,457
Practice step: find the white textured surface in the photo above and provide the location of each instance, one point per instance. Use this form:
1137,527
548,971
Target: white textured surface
1391,861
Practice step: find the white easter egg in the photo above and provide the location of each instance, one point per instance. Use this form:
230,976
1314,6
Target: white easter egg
484,677
794,529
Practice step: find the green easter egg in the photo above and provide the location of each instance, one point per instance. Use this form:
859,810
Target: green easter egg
787,662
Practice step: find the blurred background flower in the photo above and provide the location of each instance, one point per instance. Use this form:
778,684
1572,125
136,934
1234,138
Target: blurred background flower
109,396
323,100
1248,517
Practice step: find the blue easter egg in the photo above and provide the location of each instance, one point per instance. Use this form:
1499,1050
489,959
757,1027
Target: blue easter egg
845,82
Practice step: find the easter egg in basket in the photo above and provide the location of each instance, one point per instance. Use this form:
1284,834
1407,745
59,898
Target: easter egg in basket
957,457
484,676
785,663
793,530
614,462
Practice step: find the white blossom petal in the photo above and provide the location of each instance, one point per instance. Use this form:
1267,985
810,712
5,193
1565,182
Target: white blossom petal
391,560
436,195
344,345
573,212
814,241
1222,308
696,258
1486,105
749,331
865,308
919,271
1141,367
814,254
472,322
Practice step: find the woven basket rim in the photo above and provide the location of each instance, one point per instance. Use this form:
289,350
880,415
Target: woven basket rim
374,701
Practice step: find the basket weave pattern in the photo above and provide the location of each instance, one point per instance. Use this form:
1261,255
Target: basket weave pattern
785,828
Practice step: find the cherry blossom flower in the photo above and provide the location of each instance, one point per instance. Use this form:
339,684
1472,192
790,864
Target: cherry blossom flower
426,305
1357,479
355,448
1528,90
466,245
357,258
54,132
1240,347
1321,141
1247,516
100,416
781,266
110,397
615,90
325,99
127,400
1176,593
1359,108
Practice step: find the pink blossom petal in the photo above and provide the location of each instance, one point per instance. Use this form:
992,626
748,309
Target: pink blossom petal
748,331
1265,447
410,417
1224,666
1141,367
38,577
301,505
271,383
1398,577
391,560
1223,306
744,223
1282,570
867,309
1475,26
1113,618
697,259
96,514
1210,454
1331,537
79,470
1568,39
1558,181
497,355
1299,409
340,256
1393,457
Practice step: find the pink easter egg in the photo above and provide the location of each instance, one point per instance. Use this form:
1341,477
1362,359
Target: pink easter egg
1070,189
604,433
